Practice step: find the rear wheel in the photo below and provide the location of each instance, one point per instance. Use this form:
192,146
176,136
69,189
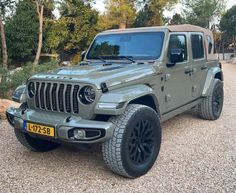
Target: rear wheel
211,106
135,144
35,144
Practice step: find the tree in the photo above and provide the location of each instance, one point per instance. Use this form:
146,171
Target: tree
177,19
143,17
21,32
77,27
228,26
56,34
120,13
5,5
157,7
151,13
4,44
40,10
41,5
202,12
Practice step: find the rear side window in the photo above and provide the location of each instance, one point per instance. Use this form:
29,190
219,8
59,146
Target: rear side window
197,46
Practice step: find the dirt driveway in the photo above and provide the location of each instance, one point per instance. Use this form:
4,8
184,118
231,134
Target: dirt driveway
196,156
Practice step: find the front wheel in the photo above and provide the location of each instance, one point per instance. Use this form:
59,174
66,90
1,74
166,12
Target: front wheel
136,141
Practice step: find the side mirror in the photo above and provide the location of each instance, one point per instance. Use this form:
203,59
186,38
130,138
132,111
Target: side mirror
176,56
83,55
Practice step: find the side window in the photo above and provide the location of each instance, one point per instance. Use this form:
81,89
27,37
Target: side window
210,44
178,41
197,46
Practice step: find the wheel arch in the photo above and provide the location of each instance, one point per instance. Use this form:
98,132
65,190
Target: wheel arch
149,100
212,74
136,94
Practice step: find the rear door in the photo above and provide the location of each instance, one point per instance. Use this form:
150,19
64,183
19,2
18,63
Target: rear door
198,63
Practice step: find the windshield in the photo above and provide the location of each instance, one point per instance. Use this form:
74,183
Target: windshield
138,46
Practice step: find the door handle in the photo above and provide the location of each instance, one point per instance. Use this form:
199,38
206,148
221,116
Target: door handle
204,67
188,71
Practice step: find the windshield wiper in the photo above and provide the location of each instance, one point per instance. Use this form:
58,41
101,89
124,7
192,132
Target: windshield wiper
128,58
111,57
102,59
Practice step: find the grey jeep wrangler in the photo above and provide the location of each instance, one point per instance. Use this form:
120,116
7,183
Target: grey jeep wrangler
128,82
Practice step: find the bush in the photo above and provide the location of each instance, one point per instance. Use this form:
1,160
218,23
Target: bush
10,80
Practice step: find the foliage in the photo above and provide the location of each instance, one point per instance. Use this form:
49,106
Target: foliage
12,80
202,12
228,25
120,13
6,8
177,19
156,8
74,30
78,22
56,33
152,12
21,32
143,17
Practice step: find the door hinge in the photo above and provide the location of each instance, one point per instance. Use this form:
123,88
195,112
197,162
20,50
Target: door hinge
167,77
168,98
194,88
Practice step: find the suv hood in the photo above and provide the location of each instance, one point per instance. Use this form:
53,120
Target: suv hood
112,75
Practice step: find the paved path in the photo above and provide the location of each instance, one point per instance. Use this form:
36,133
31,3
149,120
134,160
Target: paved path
196,156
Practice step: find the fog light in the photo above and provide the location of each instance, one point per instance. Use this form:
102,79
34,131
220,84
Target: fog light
79,134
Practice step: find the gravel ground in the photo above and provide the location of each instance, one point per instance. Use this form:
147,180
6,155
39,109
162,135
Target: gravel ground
196,156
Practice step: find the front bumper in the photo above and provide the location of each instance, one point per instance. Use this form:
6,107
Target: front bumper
64,124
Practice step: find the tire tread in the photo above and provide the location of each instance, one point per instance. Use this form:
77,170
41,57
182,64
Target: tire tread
205,109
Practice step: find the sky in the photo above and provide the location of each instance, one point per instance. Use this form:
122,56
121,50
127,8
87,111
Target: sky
99,5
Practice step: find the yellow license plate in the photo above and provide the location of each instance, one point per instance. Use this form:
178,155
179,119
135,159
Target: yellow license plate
40,129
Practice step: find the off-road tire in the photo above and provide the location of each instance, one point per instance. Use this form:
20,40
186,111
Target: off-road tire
139,124
34,144
211,106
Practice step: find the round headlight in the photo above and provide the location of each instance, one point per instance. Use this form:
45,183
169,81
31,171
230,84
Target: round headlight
31,89
87,95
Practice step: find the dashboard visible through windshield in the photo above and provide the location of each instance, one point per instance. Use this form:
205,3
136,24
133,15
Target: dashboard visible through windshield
136,46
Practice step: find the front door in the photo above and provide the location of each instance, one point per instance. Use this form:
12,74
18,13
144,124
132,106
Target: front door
178,80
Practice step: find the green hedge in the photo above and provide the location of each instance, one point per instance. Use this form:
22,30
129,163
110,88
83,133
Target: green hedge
10,81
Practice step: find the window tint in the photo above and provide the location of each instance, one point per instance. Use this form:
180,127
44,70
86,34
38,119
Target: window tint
197,46
210,44
179,42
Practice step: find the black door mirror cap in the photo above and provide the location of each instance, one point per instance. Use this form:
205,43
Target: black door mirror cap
176,55
169,65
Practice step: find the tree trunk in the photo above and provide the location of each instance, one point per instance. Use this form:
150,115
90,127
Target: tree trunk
123,22
4,45
122,25
234,43
40,9
223,49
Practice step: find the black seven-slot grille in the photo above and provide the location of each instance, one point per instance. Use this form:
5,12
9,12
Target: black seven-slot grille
57,97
